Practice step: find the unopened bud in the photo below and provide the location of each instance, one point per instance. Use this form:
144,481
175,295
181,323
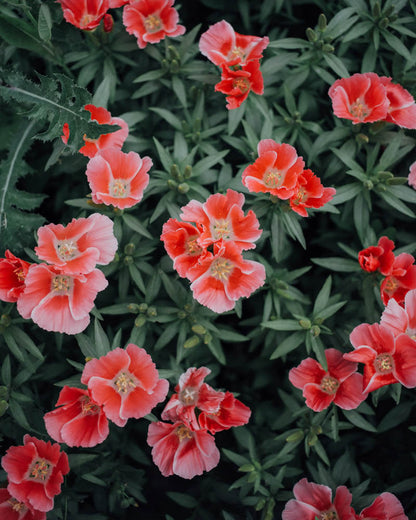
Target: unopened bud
108,23
3,392
129,249
191,342
187,171
199,329
140,321
385,176
165,64
174,66
128,260
362,138
152,312
295,436
182,315
174,171
260,504
143,307
316,429
315,331
207,338
172,184
397,181
305,324
173,54
377,10
187,307
133,308
183,187
327,47
3,407
88,358
311,439
384,22
311,35
252,477
246,468
5,320
368,184
322,22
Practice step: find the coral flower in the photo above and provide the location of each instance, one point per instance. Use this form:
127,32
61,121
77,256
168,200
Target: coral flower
126,383
232,412
12,509
361,98
191,393
222,219
57,301
151,20
35,472
180,450
401,320
221,44
411,180
340,384
310,193
276,170
315,501
219,280
387,359
402,107
400,280
237,83
79,420
118,178
385,507
181,243
79,246
84,14
378,258
13,272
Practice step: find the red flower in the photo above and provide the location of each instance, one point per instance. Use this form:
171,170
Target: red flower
125,382
402,108
222,45
12,509
388,359
222,219
79,421
236,83
180,450
35,472
340,384
57,301
378,258
309,193
232,412
181,243
219,280
151,21
84,14
276,171
118,3
361,98
400,280
117,178
79,246
13,272
384,507
315,501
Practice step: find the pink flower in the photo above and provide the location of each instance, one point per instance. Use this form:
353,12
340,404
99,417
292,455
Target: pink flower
79,246
340,384
57,301
13,273
232,412
412,175
315,501
378,258
35,472
151,21
387,358
400,280
309,193
237,82
79,420
12,509
401,320
84,14
177,449
384,507
402,107
117,178
276,171
126,383
222,219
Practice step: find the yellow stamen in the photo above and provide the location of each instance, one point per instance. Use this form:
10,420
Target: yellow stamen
384,363
192,247
16,505
124,383
153,23
20,275
273,178
67,250
88,407
301,196
243,84
329,515
119,189
221,229
329,385
359,110
61,284
391,285
183,432
221,269
40,470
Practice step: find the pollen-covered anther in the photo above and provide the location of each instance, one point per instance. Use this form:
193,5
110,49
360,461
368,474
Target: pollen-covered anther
89,407
329,385
222,229
188,396
300,197
124,383
20,275
17,506
67,250
384,363
221,269
391,285
359,109
86,20
329,515
192,247
153,23
243,84
61,284
119,189
40,470
273,178
183,432
237,52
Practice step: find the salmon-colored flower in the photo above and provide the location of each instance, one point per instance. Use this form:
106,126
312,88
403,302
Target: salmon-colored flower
151,21
79,420
402,107
35,472
118,178
125,382
276,170
222,219
400,280
222,278
237,82
84,14
309,193
79,246
401,320
315,501
361,98
180,450
12,509
340,384
387,358
411,179
118,3
57,301
231,412
13,272
385,507
378,258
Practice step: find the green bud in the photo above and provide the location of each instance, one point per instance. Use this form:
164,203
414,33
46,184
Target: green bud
311,439
128,260
187,307
3,392
327,47
385,176
140,321
377,10
3,407
182,315
183,187
270,509
305,324
362,138
199,329
384,22
207,338
129,249
397,181
152,312
295,436
191,342
133,307
174,171
319,44
322,22
260,504
173,54
287,120
5,320
315,331
165,64
174,67
118,211
252,477
311,35
247,468
316,429
187,171
172,184
368,184
143,307
318,321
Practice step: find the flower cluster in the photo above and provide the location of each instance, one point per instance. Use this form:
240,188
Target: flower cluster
314,501
279,171
399,271
185,447
238,56
121,385
59,295
221,276
366,98
35,473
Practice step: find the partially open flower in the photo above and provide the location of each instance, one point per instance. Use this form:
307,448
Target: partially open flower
84,14
13,273
12,509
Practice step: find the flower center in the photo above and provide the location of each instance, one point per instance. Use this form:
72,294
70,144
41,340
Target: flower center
359,110
221,229
20,275
391,285
16,505
61,284
183,432
384,363
89,407
153,23
273,178
221,269
86,19
124,383
192,247
119,189
329,385
329,515
40,470
237,52
67,250
301,196
242,84
189,396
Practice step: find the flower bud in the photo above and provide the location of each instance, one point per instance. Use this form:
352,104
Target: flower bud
172,184
152,312
384,22
199,329
140,321
173,54
108,23
327,47
3,407
247,468
143,307
322,22
385,176
3,392
5,320
129,249
128,260
133,308
191,342
377,10
174,171
187,171
362,138
305,324
315,331
183,187
311,35
174,66
295,436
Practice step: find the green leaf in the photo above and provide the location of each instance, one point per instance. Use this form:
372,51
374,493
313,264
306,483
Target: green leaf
397,45
20,34
25,341
289,344
135,224
183,500
282,325
329,311
13,346
357,31
336,65
6,373
358,420
347,192
343,265
396,203
293,228
101,341
168,116
44,23
323,296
